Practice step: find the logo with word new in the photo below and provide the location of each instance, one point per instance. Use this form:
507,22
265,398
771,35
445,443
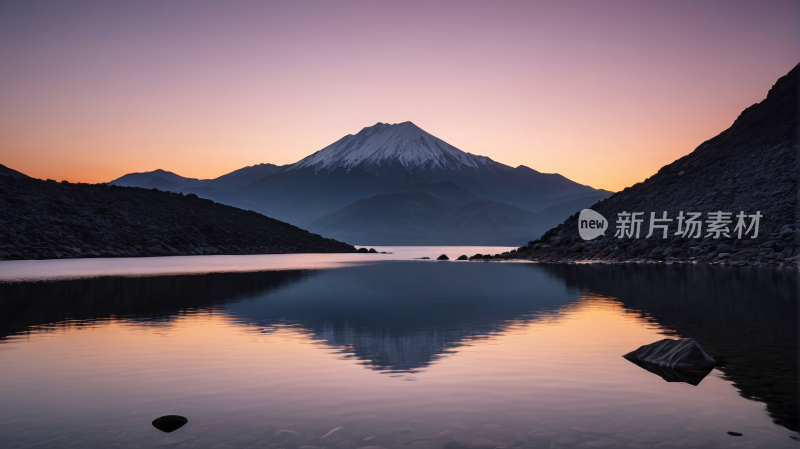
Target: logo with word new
591,224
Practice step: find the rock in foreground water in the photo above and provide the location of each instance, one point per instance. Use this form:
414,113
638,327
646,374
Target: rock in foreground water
443,257
683,354
169,423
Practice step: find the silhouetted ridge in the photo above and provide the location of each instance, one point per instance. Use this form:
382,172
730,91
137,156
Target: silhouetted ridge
50,220
749,167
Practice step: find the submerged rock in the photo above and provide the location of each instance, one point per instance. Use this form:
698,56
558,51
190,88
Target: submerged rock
169,423
443,257
683,354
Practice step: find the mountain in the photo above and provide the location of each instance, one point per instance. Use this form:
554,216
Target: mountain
5,171
169,181
53,220
384,158
436,214
750,167
377,148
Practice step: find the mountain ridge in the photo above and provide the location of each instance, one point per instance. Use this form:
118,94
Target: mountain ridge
750,166
5,171
170,181
52,220
378,160
384,158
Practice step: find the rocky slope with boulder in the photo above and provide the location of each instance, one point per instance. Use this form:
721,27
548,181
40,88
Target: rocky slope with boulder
51,220
750,167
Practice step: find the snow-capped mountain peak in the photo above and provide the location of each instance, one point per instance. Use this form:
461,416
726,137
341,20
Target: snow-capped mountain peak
404,143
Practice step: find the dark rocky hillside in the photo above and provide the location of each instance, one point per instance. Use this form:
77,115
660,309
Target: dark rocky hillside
5,171
49,220
751,166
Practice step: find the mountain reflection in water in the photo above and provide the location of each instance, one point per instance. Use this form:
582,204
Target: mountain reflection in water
406,317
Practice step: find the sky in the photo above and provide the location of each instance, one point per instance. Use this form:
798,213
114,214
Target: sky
604,93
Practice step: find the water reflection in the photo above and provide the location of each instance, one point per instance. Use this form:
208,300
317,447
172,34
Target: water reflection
691,377
152,300
403,320
417,318
515,354
745,318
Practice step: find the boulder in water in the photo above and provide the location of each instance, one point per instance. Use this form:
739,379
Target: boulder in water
684,354
443,257
169,423
462,258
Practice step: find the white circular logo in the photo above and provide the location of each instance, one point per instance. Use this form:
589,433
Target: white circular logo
591,224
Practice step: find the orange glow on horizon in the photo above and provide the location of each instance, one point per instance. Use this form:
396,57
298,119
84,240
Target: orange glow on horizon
604,94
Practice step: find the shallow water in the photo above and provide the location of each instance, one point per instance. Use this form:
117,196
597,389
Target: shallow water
63,269
400,354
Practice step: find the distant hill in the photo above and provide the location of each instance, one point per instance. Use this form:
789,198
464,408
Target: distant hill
171,182
163,184
50,220
435,214
156,177
750,167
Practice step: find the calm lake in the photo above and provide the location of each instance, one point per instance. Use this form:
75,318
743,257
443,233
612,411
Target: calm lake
347,351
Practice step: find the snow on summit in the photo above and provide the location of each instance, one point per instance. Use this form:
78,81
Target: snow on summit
403,143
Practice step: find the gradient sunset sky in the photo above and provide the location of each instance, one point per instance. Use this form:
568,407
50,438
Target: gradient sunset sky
603,92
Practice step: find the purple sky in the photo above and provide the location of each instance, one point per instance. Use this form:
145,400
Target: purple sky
602,92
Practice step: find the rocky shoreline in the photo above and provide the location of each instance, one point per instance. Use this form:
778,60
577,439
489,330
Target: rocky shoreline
778,249
52,220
